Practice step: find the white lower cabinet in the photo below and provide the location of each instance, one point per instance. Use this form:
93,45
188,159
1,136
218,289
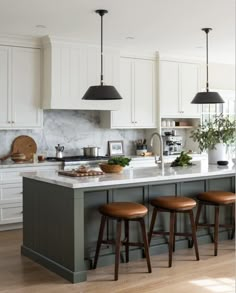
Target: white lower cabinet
11,213
11,192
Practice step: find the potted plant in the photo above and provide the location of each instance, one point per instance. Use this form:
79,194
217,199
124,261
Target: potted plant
115,164
215,136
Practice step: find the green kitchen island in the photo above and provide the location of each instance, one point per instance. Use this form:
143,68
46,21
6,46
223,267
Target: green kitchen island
61,219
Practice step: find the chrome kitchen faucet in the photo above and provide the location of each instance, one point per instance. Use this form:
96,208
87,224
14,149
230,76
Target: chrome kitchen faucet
161,148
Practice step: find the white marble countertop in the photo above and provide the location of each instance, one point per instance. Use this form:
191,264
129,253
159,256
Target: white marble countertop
133,175
10,164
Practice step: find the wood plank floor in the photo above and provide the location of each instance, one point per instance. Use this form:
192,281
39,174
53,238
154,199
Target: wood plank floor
211,274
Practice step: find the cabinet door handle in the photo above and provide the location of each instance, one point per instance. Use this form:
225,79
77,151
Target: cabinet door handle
13,122
9,122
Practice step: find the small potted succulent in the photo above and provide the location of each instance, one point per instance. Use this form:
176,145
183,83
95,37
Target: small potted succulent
115,164
215,136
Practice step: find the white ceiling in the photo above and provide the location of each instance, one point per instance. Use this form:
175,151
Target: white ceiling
168,26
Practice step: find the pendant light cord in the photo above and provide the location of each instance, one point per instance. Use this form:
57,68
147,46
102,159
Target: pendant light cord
101,12
207,82
206,30
101,49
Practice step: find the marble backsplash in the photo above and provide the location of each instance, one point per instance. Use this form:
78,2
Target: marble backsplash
73,130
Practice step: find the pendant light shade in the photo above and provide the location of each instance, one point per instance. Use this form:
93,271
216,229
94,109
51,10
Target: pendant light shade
207,97
102,92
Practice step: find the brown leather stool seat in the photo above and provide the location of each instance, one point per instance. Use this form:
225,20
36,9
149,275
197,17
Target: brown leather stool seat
173,205
216,198
123,211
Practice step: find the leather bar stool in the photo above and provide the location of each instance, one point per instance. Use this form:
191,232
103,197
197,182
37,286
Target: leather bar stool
123,211
173,205
216,199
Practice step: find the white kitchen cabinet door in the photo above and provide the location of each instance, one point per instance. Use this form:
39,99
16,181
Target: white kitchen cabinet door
138,90
189,86
179,83
169,89
25,88
5,103
144,93
124,117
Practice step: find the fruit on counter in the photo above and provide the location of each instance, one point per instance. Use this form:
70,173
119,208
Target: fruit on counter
122,161
183,160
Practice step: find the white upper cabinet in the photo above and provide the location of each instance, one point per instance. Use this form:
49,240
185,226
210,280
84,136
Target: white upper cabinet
5,103
138,90
124,117
179,83
70,68
26,87
20,88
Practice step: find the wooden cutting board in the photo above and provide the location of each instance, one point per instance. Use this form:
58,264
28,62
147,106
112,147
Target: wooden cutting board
80,174
23,144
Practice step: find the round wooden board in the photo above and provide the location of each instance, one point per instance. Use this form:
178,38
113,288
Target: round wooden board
24,144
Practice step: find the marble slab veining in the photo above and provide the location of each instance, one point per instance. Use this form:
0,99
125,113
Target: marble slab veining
73,129
139,175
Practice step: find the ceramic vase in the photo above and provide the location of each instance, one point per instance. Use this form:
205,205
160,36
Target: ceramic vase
217,154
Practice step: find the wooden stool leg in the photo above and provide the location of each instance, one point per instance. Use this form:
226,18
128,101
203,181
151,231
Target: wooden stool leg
175,232
198,214
127,240
100,237
216,230
233,221
199,208
145,243
118,244
154,214
171,236
194,237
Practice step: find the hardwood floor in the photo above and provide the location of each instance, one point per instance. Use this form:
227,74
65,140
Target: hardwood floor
210,274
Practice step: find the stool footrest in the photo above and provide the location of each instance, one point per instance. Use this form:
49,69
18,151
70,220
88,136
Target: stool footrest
167,233
133,243
138,244
213,225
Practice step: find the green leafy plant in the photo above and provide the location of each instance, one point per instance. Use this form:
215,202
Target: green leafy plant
183,160
122,161
220,130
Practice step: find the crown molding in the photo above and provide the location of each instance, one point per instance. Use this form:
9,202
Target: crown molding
20,41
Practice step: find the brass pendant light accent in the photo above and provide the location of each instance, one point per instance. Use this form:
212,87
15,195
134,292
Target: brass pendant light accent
207,97
102,92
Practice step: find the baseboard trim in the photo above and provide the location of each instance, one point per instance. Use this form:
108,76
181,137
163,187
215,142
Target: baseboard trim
73,277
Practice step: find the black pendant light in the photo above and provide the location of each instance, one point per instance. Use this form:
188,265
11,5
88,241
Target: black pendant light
102,92
207,97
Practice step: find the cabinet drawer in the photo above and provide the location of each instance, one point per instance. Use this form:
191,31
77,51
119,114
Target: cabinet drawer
10,176
14,175
10,214
10,192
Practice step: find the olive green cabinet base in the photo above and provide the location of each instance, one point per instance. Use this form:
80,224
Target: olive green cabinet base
60,224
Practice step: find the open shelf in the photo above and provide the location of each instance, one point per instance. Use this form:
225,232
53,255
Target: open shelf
176,127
